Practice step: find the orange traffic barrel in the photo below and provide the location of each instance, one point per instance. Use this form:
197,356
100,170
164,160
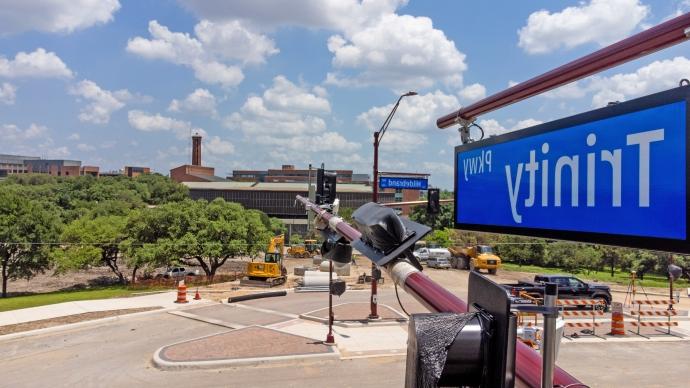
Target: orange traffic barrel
617,322
181,293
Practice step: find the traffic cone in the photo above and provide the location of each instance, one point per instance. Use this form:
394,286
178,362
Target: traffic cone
196,295
181,293
617,322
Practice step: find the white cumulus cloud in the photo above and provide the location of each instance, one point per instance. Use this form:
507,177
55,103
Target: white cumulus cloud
215,54
217,146
8,93
269,14
291,117
102,103
598,21
399,51
372,44
54,15
472,93
37,64
199,101
655,77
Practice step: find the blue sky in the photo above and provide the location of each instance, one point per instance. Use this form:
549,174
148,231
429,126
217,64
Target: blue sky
116,83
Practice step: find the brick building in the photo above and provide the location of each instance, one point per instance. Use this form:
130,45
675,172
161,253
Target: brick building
54,167
194,172
132,171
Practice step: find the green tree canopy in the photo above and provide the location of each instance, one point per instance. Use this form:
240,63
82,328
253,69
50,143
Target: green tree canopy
90,242
200,233
439,221
27,227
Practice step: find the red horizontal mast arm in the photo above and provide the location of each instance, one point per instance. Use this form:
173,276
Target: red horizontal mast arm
646,42
438,299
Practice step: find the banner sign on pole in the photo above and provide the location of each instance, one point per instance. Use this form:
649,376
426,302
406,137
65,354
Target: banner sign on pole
616,175
387,182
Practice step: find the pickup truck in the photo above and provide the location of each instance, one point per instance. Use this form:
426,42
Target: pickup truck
569,287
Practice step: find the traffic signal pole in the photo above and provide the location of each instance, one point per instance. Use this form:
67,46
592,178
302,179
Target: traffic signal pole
437,299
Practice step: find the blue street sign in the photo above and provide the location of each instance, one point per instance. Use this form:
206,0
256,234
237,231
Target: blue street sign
387,182
616,175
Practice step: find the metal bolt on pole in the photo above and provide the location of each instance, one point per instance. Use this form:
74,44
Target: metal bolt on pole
549,345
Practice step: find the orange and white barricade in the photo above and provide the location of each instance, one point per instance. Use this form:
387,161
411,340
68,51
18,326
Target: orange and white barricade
594,313
654,313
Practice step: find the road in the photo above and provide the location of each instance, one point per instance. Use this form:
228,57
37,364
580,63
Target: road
118,354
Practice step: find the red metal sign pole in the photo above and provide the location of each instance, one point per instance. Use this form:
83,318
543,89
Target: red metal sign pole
646,42
438,299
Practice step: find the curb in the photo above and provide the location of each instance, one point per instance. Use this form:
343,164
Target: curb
160,363
164,364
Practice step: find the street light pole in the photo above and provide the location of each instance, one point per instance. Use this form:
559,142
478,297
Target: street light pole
373,300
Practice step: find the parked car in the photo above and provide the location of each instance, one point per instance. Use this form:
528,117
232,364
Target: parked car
424,254
438,262
178,272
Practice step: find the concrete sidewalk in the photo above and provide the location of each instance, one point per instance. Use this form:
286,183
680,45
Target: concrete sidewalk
164,300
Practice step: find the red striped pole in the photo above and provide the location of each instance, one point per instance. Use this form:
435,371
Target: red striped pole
438,299
646,42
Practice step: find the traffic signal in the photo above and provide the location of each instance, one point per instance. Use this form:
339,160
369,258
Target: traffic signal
325,186
433,205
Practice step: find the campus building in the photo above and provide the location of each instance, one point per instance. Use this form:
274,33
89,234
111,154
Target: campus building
14,164
278,199
289,174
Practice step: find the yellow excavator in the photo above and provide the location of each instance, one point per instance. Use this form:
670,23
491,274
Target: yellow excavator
271,271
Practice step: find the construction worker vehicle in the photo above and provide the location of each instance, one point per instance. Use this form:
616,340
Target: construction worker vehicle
271,271
475,258
306,250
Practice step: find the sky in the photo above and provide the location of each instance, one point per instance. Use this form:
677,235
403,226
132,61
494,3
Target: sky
115,83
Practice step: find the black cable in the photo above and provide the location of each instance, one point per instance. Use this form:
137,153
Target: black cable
399,302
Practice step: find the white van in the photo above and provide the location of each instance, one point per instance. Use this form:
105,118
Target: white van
424,254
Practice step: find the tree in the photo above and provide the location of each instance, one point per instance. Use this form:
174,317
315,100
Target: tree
296,239
208,234
27,227
92,242
439,221
163,189
442,237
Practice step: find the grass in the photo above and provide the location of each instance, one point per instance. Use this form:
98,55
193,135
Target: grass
25,301
619,277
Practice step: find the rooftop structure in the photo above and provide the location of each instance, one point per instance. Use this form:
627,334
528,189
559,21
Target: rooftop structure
289,174
194,172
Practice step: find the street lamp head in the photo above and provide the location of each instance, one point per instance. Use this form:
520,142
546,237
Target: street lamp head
410,93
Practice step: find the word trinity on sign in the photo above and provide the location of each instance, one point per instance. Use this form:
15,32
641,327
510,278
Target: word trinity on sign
615,173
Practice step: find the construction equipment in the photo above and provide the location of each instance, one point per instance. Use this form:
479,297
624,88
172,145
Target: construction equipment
475,258
299,251
312,246
271,271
